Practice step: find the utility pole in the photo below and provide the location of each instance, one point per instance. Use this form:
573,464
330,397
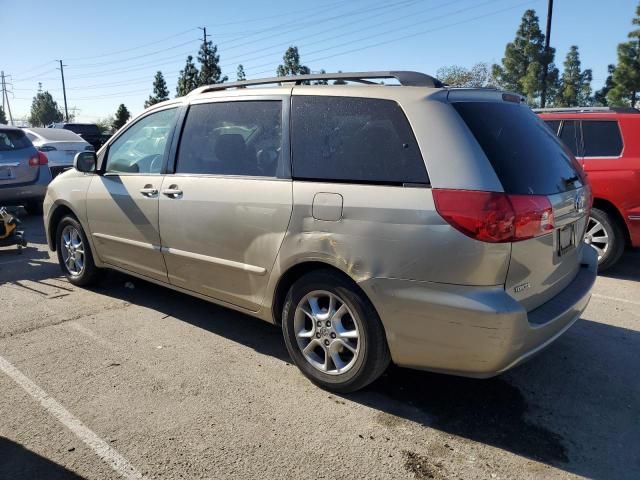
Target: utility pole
5,94
64,92
204,33
547,41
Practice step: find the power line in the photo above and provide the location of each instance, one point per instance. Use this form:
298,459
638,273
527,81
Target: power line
393,31
416,34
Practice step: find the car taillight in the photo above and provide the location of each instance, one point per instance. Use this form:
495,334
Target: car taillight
493,216
39,159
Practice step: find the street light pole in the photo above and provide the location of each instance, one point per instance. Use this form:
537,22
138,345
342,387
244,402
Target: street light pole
64,92
547,41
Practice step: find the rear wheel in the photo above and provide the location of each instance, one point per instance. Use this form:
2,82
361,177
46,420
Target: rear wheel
605,235
333,333
74,253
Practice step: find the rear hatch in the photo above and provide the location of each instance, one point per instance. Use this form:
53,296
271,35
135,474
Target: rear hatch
543,181
16,150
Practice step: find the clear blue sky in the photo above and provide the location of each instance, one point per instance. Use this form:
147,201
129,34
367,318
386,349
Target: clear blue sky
113,49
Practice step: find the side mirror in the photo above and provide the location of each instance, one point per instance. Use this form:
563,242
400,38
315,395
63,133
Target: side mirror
85,162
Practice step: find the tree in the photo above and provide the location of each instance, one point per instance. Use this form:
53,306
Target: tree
626,77
240,75
209,59
600,97
160,91
188,79
122,116
105,125
525,60
477,76
44,109
575,85
291,64
321,82
3,117
339,81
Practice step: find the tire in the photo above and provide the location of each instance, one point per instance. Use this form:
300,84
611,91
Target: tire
81,269
354,327
606,236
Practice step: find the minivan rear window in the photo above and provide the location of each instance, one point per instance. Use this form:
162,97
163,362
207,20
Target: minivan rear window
13,140
526,156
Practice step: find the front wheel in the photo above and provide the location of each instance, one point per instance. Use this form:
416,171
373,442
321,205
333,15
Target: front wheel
333,333
74,253
605,235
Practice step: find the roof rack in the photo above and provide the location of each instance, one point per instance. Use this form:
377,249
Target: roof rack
405,78
587,110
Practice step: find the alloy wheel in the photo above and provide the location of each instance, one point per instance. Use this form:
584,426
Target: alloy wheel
72,250
598,237
327,332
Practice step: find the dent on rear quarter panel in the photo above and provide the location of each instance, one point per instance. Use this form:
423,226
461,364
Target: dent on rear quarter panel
389,232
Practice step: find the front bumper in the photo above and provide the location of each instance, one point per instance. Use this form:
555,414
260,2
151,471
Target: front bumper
473,331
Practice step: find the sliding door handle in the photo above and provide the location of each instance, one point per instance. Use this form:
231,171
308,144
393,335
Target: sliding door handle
172,192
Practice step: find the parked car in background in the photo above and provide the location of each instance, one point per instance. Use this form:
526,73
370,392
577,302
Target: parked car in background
606,141
24,171
438,228
88,131
59,144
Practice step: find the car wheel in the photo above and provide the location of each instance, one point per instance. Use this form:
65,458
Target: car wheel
333,333
74,253
605,235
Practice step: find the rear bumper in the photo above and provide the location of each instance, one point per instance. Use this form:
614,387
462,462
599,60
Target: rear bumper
473,331
35,190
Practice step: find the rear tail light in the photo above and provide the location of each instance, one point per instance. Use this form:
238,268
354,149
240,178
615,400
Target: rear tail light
39,159
493,216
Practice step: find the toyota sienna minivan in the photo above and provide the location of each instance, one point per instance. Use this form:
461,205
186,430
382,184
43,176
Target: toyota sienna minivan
441,229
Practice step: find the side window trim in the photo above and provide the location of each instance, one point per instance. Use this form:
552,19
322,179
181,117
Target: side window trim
285,102
582,149
104,155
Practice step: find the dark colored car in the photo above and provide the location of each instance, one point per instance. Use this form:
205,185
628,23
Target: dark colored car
88,131
24,171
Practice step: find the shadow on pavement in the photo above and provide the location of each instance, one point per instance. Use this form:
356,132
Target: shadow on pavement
628,268
569,385
18,463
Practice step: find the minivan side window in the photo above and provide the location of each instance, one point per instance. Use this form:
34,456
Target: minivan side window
232,138
569,136
601,138
140,149
354,140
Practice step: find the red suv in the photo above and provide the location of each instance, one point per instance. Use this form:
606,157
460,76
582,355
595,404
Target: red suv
606,141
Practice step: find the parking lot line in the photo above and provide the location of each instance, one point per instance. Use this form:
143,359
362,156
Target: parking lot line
615,299
101,448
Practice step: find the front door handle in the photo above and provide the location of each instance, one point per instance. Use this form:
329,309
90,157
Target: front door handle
149,191
172,192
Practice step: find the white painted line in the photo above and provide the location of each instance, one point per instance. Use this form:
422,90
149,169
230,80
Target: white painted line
615,299
99,446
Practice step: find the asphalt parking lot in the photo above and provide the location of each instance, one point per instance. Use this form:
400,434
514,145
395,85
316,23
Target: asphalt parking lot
134,380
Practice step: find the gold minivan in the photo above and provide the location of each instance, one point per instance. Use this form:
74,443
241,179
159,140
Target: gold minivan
437,228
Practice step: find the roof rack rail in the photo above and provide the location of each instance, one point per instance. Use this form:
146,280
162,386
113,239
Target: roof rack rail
405,78
587,110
